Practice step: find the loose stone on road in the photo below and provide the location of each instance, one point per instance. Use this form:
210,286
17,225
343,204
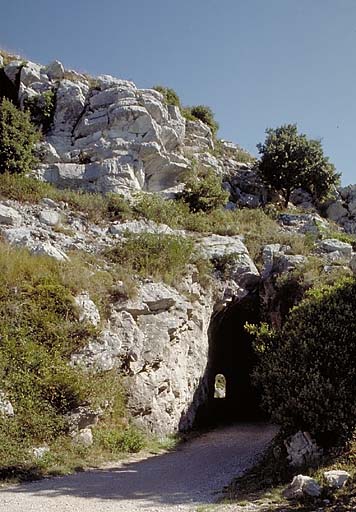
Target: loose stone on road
182,480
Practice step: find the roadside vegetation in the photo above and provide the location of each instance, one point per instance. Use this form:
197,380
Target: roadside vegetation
39,331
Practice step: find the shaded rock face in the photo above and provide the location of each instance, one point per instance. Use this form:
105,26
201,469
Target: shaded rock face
343,208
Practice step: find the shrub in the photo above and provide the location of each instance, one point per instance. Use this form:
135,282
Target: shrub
307,370
290,161
204,114
41,108
170,95
203,191
118,441
17,140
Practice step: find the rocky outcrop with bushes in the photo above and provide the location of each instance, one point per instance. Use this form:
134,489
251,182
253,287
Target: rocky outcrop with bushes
135,230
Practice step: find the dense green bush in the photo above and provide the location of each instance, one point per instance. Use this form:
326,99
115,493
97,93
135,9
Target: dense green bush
18,137
203,191
307,370
204,114
42,107
290,160
170,95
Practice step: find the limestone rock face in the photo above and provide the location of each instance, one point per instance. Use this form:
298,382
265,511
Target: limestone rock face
106,134
343,208
302,449
231,253
159,341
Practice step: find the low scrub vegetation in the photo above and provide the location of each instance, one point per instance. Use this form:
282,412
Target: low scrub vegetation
202,113
95,207
170,96
159,256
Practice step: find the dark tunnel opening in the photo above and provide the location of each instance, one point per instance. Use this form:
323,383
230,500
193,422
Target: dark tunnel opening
231,395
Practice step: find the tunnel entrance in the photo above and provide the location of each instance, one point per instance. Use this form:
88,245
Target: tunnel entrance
231,396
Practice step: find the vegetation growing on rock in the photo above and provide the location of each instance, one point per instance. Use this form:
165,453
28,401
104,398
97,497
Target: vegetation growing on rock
39,331
170,96
18,137
204,114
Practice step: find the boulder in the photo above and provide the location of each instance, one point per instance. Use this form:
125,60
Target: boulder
302,486
9,216
336,211
331,245
303,223
83,438
336,478
6,408
302,449
47,249
55,70
49,217
88,312
30,73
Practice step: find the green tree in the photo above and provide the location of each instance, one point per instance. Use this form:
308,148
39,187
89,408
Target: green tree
18,137
307,370
290,160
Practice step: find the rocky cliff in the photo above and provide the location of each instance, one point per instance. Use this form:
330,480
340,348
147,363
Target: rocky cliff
102,135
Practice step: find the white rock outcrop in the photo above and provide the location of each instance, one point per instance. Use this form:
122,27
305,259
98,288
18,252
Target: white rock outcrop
159,341
336,478
302,486
6,408
9,216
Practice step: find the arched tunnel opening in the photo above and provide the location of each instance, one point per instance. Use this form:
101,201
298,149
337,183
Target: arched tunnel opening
230,393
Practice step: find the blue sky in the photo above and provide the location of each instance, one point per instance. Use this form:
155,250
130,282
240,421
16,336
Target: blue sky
256,63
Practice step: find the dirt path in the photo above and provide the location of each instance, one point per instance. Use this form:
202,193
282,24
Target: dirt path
183,480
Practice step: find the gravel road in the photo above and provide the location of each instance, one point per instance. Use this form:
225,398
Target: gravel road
182,480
